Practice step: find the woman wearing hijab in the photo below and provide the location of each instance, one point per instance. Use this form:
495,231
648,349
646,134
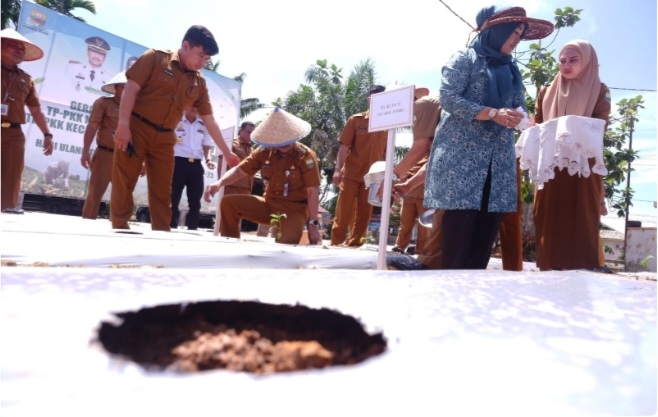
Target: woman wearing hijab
567,210
471,172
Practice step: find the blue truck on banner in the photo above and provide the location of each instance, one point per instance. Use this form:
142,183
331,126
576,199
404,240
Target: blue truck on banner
68,79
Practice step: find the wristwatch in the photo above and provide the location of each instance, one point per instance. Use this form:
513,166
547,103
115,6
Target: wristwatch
313,222
493,113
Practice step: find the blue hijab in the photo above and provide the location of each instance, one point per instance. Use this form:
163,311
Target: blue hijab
504,76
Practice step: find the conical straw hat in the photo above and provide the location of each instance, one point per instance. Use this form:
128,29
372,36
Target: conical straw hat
32,52
109,87
280,128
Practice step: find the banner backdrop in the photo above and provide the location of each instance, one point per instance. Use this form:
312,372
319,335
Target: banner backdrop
68,79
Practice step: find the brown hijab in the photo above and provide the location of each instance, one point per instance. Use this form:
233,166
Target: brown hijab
575,97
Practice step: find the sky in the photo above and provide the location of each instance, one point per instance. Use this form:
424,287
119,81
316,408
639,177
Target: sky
274,43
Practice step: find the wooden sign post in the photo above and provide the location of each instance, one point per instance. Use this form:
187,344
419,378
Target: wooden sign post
388,111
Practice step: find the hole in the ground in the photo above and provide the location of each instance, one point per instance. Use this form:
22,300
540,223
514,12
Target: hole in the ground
238,335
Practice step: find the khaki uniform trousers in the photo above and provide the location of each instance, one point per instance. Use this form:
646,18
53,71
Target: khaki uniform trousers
353,211
157,150
12,154
433,248
511,239
230,190
101,175
259,210
412,208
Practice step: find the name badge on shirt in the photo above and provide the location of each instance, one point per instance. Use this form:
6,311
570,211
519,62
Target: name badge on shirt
168,72
5,109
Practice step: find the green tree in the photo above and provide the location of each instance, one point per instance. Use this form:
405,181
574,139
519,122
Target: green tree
66,7
214,66
11,9
618,157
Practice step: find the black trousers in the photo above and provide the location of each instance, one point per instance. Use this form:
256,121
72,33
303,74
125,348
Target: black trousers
468,235
188,175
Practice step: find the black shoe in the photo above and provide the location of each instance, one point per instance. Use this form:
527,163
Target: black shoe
397,249
403,262
411,250
13,211
602,269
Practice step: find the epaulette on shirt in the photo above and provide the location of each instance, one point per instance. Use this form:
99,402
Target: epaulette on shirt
72,61
301,149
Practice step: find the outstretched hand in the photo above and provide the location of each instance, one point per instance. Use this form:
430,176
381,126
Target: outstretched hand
210,192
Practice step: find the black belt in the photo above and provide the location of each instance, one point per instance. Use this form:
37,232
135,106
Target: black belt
105,148
190,160
7,125
150,123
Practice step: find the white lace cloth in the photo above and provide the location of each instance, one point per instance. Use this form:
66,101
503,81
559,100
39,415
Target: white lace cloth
565,142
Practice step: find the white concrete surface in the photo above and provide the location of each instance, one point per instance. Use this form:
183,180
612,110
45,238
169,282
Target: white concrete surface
460,343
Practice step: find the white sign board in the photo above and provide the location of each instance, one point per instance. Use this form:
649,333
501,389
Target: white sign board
392,109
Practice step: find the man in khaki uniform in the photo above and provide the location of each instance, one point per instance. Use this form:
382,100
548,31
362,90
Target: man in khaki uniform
242,148
17,92
292,177
102,124
358,150
160,85
427,111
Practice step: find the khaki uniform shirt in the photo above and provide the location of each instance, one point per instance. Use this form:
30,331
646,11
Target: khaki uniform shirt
242,150
427,113
286,176
17,92
167,89
364,148
105,112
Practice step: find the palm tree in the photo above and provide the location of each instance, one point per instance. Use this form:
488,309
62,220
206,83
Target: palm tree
10,11
66,7
249,105
212,66
326,102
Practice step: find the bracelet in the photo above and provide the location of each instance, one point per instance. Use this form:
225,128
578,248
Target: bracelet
48,135
208,160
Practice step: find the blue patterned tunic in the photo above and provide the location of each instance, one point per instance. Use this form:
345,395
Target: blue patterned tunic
464,149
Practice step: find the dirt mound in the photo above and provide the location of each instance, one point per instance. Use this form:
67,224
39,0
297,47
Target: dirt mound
239,336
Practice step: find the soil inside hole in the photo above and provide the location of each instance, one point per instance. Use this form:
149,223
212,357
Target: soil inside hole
238,335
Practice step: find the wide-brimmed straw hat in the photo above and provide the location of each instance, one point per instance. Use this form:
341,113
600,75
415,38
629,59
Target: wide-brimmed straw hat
32,52
537,28
421,92
110,86
280,128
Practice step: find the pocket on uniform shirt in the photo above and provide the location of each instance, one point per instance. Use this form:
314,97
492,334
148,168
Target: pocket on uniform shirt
296,180
23,88
266,172
165,79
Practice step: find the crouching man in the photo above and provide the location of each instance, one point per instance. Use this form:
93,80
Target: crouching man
292,178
